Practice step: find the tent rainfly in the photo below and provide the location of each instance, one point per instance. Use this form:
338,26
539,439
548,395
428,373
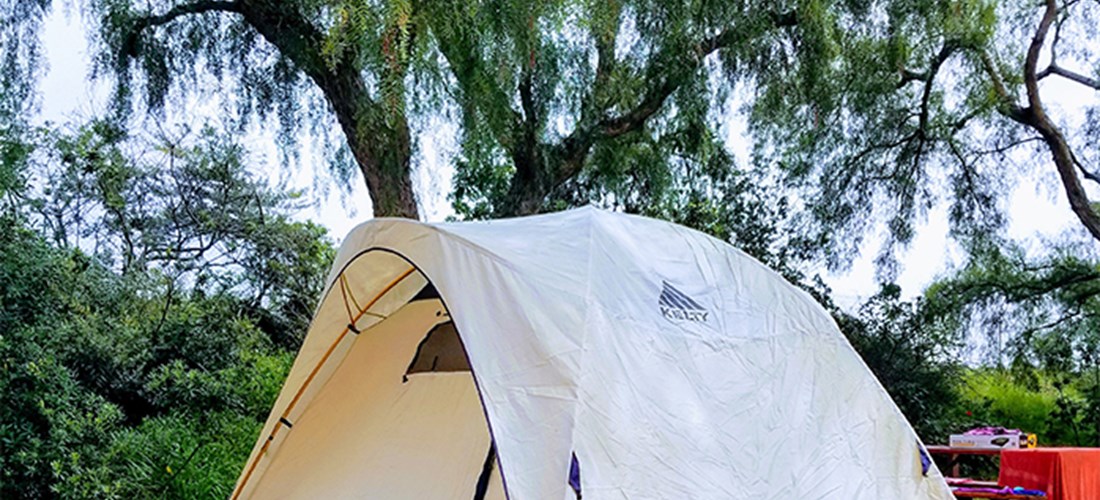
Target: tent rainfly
578,353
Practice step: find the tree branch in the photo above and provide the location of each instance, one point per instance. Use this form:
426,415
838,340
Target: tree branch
378,137
477,83
381,147
595,102
1030,290
855,160
1035,116
526,155
922,136
1058,31
527,97
668,83
1006,147
1052,324
130,43
668,74
1008,106
908,75
570,154
1055,69
1031,81
968,173
1092,176
961,122
945,52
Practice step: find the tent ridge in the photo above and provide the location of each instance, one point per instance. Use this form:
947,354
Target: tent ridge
583,356
439,228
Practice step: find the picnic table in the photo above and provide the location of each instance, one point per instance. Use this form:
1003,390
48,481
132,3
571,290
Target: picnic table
956,452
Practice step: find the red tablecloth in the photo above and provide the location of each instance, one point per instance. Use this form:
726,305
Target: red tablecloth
1064,473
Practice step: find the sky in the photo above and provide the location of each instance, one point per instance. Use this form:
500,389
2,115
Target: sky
1038,210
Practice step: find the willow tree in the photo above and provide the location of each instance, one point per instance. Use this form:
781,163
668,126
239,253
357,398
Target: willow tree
615,95
930,100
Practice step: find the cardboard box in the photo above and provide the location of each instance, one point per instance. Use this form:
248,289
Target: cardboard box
994,441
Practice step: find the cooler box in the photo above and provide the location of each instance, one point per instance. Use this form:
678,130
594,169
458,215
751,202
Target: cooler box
993,441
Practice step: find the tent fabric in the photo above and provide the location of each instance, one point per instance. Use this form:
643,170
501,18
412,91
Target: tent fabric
667,362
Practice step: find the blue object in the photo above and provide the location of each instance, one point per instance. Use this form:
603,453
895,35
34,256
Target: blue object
575,476
925,460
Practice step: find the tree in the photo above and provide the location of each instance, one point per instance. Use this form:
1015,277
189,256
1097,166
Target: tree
20,61
184,206
20,57
560,103
152,294
535,113
915,93
1039,317
860,102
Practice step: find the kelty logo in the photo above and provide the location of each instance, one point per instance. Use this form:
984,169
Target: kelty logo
677,306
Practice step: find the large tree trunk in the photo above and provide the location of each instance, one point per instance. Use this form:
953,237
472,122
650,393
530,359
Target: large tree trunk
383,152
386,163
380,144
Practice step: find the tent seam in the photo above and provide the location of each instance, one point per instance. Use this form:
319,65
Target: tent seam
582,361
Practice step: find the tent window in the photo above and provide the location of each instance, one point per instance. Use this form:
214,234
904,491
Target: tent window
427,293
440,351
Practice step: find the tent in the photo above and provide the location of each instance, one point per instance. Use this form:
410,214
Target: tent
582,353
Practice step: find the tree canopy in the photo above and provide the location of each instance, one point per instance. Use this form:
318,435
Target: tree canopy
869,109
545,91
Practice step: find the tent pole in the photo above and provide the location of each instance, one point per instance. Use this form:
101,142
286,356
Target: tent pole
486,471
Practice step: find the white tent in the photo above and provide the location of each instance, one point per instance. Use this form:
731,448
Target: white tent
616,355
